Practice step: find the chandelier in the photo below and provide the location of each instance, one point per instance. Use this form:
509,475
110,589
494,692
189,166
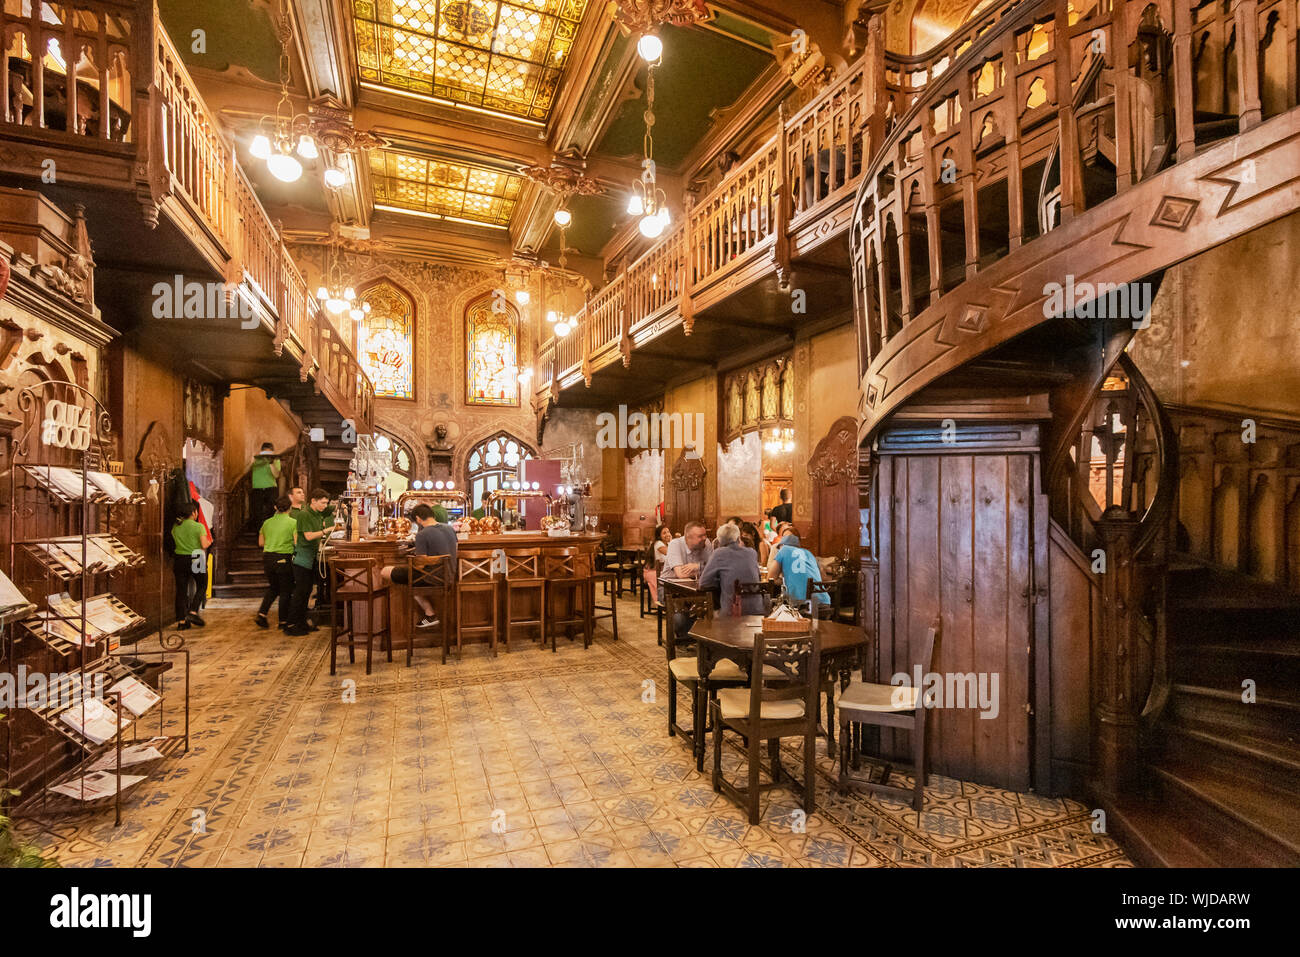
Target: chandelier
336,294
285,139
782,440
648,201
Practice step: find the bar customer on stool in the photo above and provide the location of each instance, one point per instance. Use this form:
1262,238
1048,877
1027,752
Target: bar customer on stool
312,528
276,538
190,542
435,537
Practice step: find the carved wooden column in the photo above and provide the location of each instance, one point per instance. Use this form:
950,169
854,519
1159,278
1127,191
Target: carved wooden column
1118,704
1247,53
1184,82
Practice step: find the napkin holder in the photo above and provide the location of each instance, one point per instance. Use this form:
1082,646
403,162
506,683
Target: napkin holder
785,620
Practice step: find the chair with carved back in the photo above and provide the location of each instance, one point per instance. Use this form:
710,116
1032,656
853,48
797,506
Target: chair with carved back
525,591
888,706
360,606
431,577
780,703
475,577
568,573
762,590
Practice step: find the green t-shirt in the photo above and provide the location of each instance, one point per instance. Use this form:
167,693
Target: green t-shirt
263,477
187,537
277,532
304,552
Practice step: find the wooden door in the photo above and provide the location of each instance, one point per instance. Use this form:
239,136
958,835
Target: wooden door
957,540
686,493
833,470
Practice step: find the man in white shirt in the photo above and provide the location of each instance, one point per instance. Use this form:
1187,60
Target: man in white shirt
686,557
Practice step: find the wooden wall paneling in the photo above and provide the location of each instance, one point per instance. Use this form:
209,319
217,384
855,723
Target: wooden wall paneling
956,732
1074,607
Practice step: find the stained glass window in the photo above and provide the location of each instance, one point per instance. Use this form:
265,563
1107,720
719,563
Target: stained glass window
502,57
491,359
387,341
494,463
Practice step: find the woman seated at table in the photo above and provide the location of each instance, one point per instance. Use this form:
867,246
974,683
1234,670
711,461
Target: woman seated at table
655,553
751,538
796,566
731,563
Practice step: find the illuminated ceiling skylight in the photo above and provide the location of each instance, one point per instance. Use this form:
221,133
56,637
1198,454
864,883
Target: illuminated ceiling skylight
449,190
502,57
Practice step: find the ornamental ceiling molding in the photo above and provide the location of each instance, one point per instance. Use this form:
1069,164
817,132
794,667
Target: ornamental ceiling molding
563,178
640,16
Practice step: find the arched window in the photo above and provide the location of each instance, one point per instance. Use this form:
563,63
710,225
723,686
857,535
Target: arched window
494,463
387,337
491,352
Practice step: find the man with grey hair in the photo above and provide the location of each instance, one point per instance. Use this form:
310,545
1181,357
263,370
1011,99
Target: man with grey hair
731,564
686,557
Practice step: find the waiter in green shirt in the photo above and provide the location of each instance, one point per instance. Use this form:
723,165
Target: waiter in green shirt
311,528
189,564
276,538
266,482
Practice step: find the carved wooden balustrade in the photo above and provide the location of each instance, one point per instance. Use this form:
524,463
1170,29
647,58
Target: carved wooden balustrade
160,142
1069,142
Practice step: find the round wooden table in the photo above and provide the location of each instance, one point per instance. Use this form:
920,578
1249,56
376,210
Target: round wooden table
842,647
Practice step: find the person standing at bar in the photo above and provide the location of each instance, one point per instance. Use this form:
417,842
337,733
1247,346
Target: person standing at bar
311,528
190,542
276,538
783,512
266,483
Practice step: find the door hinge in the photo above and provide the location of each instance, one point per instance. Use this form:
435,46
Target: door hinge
1029,709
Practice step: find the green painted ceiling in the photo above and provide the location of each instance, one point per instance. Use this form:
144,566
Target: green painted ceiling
700,72
594,220
235,32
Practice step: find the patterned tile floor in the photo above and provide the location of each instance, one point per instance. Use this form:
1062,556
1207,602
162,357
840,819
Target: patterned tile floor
531,759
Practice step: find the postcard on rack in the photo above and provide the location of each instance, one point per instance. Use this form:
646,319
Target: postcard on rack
137,696
107,617
98,784
109,485
93,719
135,754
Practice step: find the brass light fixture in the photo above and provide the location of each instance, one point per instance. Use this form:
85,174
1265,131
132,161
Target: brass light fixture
337,294
648,201
286,138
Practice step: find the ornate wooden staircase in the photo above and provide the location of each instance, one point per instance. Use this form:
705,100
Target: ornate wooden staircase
1037,171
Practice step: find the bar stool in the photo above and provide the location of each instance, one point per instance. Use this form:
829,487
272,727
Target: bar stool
608,579
475,577
355,581
568,573
431,574
524,576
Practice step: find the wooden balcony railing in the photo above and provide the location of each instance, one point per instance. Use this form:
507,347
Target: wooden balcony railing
738,217
161,141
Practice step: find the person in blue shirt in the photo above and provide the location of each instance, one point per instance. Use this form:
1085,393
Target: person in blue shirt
796,566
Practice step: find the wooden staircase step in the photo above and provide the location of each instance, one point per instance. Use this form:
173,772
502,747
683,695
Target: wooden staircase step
1195,706
1257,821
1238,756
1152,838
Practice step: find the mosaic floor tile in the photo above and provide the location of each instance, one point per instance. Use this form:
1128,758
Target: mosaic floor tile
529,759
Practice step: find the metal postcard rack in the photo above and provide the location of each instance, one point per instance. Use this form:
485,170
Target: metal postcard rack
70,524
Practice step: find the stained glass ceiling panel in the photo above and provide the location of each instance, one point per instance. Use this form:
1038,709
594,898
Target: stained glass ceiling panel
435,187
502,57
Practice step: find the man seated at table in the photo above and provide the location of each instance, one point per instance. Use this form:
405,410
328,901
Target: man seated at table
729,565
435,537
796,566
686,558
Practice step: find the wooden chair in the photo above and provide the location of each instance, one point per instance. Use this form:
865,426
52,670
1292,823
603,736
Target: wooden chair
685,670
888,706
768,710
761,589
475,577
524,577
356,581
834,591
432,575
568,574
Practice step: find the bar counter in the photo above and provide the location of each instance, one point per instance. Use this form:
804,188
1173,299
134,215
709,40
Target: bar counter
386,550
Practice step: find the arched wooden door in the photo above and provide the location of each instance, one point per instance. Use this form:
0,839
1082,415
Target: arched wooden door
833,470
686,492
